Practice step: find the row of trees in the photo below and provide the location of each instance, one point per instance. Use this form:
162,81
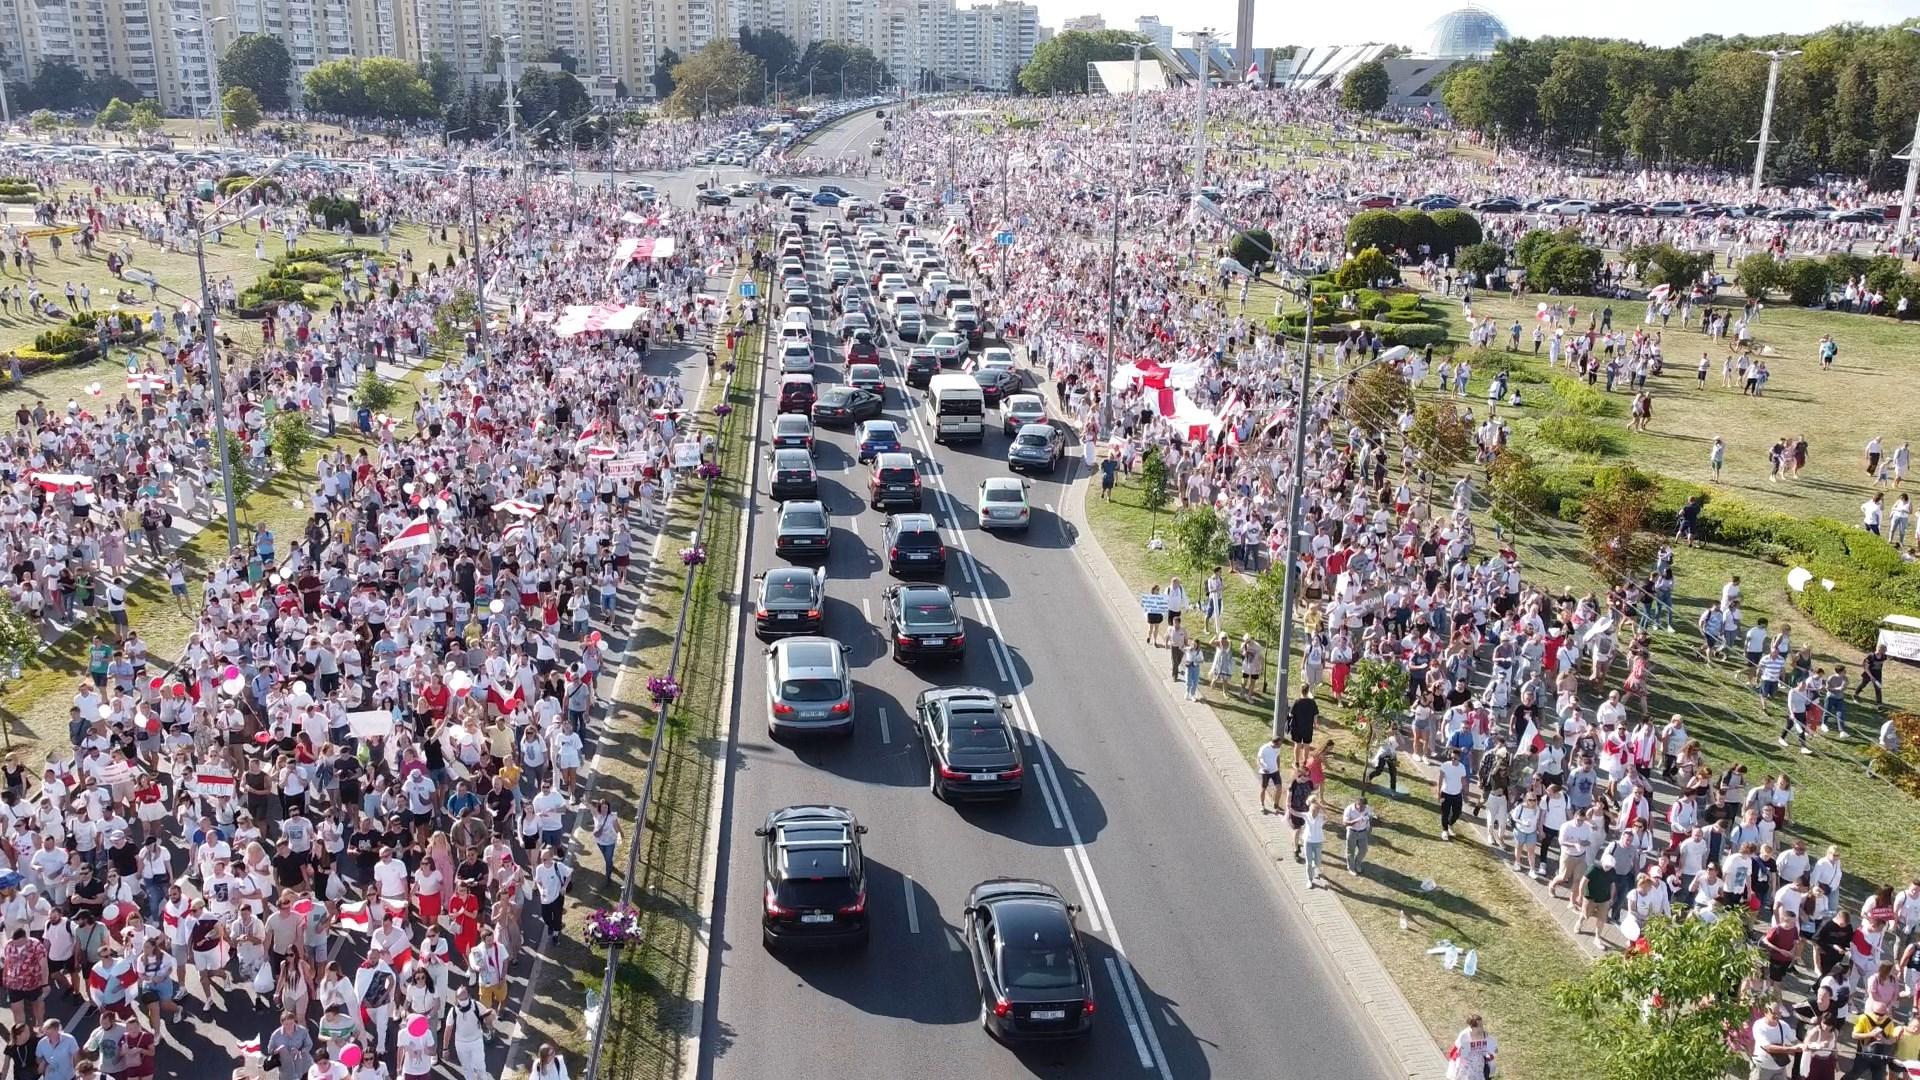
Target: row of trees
1059,64
1846,105
61,87
754,68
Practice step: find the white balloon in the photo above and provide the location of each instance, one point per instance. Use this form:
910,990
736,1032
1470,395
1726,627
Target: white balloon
497,606
105,711
299,686
231,686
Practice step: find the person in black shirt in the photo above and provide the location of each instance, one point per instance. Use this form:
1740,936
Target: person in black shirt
89,893
291,869
1300,720
347,774
123,856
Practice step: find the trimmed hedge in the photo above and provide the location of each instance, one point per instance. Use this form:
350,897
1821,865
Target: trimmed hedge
1576,398
62,340
1576,435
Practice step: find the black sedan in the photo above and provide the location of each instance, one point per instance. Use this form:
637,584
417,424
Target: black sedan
713,198
790,602
792,475
1498,205
846,405
997,383
1028,961
803,529
971,751
816,878
923,624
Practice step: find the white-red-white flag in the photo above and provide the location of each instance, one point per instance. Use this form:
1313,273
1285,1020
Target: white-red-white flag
418,532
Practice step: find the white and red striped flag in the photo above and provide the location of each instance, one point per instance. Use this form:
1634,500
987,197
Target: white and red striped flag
1531,741
353,916
418,532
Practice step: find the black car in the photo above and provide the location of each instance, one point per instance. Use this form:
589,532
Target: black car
803,529
914,546
895,482
1792,213
1028,961
971,751
997,383
1866,216
1498,205
816,878
790,602
792,476
780,191
922,366
712,197
923,624
845,405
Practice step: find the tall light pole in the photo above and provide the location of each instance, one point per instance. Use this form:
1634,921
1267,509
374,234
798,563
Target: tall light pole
215,106
1774,56
6,109
788,70
1913,178
1202,48
810,70
1133,115
507,42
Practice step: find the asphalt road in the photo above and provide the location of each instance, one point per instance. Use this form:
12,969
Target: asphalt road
849,136
1201,968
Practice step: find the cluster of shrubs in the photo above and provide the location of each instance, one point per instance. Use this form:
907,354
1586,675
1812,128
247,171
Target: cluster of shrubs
336,210
19,192
298,276
1400,318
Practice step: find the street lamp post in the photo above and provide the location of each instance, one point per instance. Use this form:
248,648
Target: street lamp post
1202,49
810,72
215,106
788,70
6,109
513,96
479,275
843,77
1774,56
1913,179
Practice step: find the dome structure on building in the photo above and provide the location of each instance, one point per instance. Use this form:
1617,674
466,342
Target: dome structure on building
1468,32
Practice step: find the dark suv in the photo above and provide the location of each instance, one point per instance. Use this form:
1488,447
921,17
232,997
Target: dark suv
914,546
816,878
895,482
922,366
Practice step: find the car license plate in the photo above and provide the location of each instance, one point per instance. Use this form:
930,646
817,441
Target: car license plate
829,918
1045,1014
933,641
985,775
790,615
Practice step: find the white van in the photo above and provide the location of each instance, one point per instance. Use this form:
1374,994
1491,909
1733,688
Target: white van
797,326
955,407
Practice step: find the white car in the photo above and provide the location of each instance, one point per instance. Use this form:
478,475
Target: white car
796,357
948,346
1018,410
1569,208
997,358
1003,503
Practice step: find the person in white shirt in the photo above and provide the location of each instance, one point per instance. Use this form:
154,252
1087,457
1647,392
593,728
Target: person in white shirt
1270,781
1775,1046
1313,836
1358,821
1450,784
550,887
464,1031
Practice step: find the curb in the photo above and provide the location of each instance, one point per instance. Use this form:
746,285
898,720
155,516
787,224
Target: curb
1404,1036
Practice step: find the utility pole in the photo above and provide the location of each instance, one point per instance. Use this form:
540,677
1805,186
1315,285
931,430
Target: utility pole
1005,223
1133,117
1284,662
479,276
1774,56
1202,47
6,109
1913,178
1113,321
216,380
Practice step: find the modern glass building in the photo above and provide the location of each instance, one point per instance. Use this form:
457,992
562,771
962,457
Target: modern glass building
1468,32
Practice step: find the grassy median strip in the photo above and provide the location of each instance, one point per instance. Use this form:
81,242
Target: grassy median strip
651,1011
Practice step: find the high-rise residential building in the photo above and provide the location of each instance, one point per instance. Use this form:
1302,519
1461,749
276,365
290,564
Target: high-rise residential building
1085,22
1155,31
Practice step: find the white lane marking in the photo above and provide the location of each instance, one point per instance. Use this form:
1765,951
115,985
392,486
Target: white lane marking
866,609
1080,887
1050,789
913,912
999,665
1049,507
886,733
1126,1010
853,523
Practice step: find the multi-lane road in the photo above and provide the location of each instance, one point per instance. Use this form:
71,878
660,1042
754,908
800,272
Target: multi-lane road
1202,968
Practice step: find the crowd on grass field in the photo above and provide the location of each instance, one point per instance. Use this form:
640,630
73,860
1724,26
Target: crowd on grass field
326,832
1528,704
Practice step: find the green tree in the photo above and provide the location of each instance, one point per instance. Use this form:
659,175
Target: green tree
1480,259
1646,120
777,53
1156,485
146,117
1377,692
1251,248
291,437
557,94
1514,487
1059,64
98,92
19,638
565,60
375,393
1455,229
1366,87
241,108
1440,437
59,85
261,63
442,78
1573,99
116,115
1374,229
1465,95
1416,229
1377,396
718,77
1665,1009
1807,281
662,77
1613,520
395,90
1664,264
337,87
1261,604
44,120
1199,539
1365,270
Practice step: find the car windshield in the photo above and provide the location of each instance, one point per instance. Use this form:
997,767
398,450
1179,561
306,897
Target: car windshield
805,519
1038,441
977,738
810,690
896,476
803,893
882,434
1038,966
933,614
1003,495
917,539
789,588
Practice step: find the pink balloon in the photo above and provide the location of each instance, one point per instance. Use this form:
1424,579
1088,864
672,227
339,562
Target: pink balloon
232,672
350,1057
417,1027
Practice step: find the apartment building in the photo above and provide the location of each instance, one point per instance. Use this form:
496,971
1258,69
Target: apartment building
1085,22
1155,31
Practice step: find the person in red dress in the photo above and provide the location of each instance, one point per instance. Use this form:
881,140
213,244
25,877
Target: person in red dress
464,906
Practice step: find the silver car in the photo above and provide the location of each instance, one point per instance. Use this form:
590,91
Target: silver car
809,687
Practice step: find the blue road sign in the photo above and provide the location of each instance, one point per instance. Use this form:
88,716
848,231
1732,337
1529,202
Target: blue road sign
749,290
1004,238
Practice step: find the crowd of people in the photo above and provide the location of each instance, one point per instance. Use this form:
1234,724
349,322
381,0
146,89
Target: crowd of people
328,830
